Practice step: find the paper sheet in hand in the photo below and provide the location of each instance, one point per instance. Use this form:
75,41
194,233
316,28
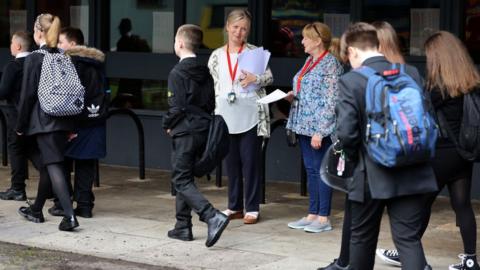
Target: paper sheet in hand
254,61
272,97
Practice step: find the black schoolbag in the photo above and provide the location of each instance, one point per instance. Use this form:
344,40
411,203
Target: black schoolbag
97,99
468,141
216,148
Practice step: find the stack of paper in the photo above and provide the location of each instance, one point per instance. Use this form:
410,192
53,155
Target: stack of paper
254,61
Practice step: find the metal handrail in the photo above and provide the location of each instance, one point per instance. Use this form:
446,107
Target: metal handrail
141,137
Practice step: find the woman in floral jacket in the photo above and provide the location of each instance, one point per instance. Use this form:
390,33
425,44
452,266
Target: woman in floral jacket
247,120
312,118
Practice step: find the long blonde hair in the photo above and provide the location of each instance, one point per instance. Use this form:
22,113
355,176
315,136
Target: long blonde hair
449,66
321,31
389,45
49,25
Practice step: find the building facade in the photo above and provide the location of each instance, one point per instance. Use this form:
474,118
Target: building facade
137,36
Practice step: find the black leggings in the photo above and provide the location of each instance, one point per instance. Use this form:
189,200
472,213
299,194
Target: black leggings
52,177
459,191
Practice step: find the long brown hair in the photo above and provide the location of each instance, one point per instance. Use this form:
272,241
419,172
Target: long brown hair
389,45
50,25
449,66
318,30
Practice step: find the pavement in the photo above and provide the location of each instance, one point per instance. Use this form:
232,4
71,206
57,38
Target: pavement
132,217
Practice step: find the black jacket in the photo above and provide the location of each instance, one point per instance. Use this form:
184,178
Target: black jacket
191,98
31,118
382,182
11,83
452,109
88,63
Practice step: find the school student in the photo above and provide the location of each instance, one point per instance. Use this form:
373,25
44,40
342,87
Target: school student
191,100
451,75
376,187
88,141
389,47
48,134
10,87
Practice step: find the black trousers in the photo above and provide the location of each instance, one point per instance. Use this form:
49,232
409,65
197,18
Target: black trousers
17,151
83,181
406,214
244,161
185,150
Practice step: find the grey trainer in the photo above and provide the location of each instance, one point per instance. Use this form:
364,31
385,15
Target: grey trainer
317,226
299,224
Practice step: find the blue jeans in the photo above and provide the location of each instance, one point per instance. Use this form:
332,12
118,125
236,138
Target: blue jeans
320,193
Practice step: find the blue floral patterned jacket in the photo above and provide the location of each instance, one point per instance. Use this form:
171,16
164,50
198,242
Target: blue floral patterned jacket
314,110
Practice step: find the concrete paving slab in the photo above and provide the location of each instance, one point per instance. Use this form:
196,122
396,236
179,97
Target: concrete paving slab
131,220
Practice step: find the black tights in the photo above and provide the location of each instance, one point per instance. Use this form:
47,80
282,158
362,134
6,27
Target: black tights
52,176
459,191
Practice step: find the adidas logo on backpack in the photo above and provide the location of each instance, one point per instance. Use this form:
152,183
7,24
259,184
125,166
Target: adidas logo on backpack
60,92
400,128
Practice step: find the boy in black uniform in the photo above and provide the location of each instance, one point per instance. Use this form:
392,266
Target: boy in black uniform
190,91
10,87
375,187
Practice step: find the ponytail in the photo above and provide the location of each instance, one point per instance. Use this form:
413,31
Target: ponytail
51,37
50,26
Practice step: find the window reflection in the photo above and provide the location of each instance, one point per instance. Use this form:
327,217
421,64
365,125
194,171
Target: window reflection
289,18
13,18
149,94
472,28
142,26
414,21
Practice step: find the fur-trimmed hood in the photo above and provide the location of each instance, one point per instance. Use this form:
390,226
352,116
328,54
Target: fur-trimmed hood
86,52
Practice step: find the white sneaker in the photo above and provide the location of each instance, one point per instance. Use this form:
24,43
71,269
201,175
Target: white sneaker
390,256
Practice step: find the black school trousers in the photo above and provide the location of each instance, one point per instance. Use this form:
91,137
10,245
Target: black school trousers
406,215
185,150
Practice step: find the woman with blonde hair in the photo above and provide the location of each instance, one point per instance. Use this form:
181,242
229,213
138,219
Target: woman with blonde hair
312,118
248,121
49,134
450,75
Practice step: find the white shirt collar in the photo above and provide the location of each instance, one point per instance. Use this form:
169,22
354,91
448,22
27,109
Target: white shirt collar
369,54
187,56
22,54
42,44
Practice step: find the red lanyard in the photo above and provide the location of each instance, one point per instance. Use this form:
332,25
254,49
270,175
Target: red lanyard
307,69
234,72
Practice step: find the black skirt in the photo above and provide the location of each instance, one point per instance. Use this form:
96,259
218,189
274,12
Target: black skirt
51,146
449,166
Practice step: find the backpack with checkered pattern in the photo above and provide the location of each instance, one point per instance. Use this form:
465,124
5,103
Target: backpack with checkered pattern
60,91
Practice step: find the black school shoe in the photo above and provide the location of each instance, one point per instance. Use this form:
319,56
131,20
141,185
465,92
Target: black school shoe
12,194
83,212
29,214
216,225
56,211
68,224
184,234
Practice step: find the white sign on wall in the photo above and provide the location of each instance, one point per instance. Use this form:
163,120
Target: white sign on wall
18,21
163,36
